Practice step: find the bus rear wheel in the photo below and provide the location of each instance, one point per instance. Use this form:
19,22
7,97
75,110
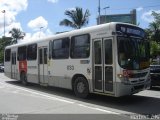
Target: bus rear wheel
24,79
81,88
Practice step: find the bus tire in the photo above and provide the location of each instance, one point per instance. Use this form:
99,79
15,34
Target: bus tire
80,87
24,79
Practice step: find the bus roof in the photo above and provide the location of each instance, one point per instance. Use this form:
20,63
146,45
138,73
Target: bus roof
65,34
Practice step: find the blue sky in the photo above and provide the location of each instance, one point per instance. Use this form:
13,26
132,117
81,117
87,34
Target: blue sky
30,15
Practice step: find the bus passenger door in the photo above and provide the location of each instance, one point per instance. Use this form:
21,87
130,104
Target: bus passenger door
42,66
98,66
13,65
103,65
108,65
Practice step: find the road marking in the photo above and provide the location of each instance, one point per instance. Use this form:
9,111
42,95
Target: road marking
36,93
99,109
59,99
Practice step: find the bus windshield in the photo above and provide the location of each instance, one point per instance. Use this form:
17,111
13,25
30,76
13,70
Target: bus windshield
133,53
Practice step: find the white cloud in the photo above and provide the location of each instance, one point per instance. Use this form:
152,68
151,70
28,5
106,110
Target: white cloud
9,18
30,37
70,9
147,16
41,34
27,36
37,23
53,1
37,35
15,6
12,8
48,32
9,25
13,25
139,9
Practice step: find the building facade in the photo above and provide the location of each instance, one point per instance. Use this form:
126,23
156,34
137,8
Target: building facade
126,18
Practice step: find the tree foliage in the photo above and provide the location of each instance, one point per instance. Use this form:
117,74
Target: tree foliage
155,48
153,34
77,19
5,41
16,34
154,28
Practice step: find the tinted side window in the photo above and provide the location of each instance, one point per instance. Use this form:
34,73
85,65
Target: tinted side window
60,48
22,51
32,52
50,49
108,51
7,55
80,46
40,56
98,52
45,55
14,58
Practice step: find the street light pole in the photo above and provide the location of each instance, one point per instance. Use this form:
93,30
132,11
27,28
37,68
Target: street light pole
105,13
4,21
40,31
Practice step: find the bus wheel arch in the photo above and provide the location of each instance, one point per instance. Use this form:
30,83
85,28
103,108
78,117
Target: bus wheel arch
80,86
23,78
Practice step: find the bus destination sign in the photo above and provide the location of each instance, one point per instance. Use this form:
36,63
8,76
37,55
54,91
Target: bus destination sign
130,30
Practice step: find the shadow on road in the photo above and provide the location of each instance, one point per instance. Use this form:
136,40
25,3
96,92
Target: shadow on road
155,88
135,103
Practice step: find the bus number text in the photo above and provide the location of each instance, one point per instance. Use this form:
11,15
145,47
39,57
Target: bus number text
70,67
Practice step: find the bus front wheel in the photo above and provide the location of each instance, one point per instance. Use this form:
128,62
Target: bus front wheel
81,88
24,79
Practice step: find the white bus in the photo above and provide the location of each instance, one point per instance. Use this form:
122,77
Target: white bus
109,59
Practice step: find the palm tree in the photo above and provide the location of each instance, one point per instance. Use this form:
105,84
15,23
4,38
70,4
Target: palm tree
77,20
155,27
16,34
155,31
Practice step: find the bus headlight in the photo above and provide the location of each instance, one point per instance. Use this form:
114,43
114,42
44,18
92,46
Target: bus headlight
124,79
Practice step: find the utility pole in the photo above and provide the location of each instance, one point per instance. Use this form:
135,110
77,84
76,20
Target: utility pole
99,11
4,21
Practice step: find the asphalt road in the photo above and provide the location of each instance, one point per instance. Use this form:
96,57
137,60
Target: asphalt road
37,102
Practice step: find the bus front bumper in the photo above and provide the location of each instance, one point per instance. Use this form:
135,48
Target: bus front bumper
129,89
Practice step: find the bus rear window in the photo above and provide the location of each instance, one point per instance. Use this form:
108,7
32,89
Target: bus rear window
7,55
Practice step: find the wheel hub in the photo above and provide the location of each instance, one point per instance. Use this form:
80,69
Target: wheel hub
80,87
